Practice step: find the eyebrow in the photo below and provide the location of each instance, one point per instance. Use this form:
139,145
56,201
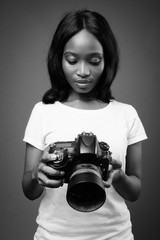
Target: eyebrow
93,54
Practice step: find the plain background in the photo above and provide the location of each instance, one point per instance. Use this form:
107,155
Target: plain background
26,29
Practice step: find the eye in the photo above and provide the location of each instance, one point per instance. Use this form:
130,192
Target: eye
70,59
95,61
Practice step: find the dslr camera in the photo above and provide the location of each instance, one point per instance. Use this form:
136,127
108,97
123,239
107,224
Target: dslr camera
85,162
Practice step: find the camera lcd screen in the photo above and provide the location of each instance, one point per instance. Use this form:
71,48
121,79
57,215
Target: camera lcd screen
64,144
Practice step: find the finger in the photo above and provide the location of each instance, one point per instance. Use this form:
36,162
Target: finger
46,152
47,157
49,171
108,183
116,164
47,182
52,156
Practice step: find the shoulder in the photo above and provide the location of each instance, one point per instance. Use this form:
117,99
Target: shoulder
123,107
42,110
124,111
41,107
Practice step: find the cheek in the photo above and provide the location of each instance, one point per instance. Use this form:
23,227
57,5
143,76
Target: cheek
101,68
97,72
64,67
67,70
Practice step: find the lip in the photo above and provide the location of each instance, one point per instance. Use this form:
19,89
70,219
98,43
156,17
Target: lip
85,81
83,84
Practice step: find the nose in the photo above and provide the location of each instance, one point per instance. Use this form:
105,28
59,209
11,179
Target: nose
83,70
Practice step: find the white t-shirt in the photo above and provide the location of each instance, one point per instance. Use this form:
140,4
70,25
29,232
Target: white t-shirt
118,125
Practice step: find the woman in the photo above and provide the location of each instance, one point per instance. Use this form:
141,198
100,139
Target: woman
82,63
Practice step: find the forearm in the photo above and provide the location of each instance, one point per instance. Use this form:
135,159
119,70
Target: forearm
31,188
129,187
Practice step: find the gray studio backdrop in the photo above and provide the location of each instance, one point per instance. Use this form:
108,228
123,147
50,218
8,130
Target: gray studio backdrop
26,29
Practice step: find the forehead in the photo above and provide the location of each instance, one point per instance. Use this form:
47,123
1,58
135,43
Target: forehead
83,42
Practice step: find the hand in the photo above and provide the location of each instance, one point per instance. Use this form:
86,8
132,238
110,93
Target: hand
46,175
114,172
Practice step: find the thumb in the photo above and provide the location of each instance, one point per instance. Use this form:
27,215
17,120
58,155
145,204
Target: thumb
108,183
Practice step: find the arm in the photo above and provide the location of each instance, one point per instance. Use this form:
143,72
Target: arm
37,175
128,183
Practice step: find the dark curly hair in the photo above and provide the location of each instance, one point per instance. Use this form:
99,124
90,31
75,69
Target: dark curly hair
72,23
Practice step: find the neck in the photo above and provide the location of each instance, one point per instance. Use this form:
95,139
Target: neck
84,97
84,101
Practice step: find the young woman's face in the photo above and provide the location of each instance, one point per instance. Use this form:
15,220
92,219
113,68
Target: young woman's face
83,62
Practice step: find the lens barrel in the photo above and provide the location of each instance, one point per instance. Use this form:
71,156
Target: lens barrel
86,191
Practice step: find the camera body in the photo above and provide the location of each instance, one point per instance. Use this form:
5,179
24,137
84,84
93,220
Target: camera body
85,162
84,150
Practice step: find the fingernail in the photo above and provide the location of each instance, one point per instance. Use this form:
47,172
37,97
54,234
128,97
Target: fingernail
62,173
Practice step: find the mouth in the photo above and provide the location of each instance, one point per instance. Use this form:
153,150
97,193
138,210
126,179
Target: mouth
84,81
83,84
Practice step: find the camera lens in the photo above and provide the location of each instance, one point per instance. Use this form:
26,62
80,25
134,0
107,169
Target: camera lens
86,192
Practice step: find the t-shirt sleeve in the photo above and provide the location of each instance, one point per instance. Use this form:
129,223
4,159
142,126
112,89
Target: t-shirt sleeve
136,131
35,128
